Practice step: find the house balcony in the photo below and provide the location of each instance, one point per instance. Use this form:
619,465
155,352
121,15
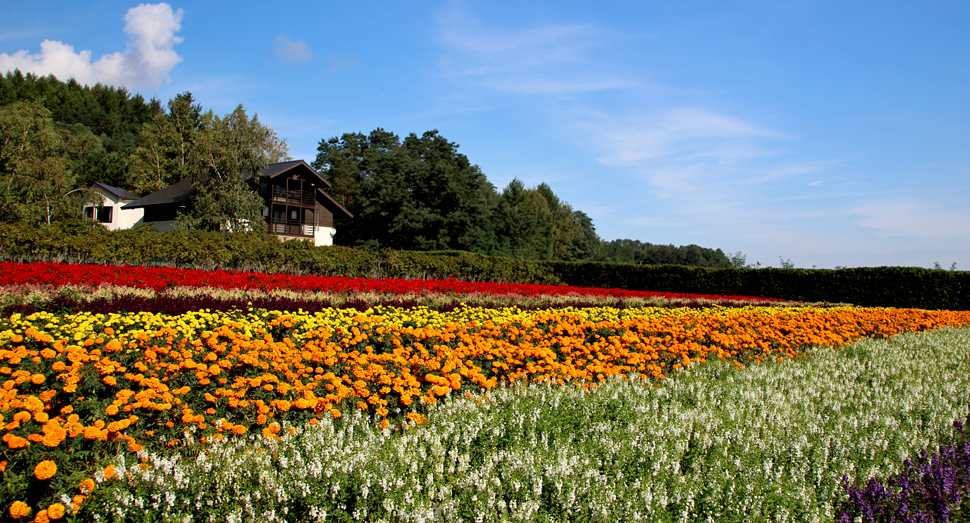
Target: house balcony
291,228
279,194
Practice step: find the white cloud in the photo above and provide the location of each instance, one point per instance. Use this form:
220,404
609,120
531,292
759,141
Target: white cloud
146,62
293,52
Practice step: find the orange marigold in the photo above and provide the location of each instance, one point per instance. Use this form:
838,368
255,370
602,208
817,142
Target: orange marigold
55,511
109,472
19,509
87,486
42,517
45,470
16,442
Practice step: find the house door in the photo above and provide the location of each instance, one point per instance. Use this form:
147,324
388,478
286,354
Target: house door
308,229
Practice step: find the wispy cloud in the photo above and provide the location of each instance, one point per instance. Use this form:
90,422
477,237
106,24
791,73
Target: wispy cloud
291,52
676,135
914,217
338,63
146,62
552,59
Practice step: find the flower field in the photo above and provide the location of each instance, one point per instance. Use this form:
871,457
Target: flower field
160,278
81,390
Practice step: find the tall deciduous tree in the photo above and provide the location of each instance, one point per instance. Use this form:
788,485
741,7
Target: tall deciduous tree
36,177
227,154
163,154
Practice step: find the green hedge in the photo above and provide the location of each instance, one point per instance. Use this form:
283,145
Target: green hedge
877,286
81,243
867,286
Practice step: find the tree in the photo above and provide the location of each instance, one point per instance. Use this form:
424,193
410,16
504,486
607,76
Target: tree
517,223
416,194
738,259
36,178
163,154
227,155
449,196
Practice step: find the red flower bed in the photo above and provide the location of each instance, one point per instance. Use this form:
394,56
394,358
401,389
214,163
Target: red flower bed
160,278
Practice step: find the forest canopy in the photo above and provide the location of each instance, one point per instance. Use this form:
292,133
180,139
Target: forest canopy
415,193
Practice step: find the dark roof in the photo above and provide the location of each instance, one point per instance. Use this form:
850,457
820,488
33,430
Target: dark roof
120,193
334,202
280,168
184,192
181,192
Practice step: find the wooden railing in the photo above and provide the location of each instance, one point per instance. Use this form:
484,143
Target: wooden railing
284,195
291,228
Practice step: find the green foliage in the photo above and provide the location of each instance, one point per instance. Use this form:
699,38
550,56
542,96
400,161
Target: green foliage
111,114
640,253
35,173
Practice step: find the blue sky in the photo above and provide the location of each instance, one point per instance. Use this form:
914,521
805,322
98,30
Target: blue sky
828,133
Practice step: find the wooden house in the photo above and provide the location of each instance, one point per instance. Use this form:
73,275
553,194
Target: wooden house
296,204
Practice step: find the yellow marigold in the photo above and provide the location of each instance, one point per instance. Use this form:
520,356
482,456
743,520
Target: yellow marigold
19,509
45,470
55,511
42,517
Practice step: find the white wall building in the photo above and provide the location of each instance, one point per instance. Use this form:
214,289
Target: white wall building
105,206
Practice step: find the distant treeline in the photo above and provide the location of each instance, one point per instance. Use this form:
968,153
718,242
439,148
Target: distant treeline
418,193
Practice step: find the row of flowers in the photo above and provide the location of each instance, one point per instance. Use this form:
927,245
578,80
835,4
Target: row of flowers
107,298
77,387
933,488
160,278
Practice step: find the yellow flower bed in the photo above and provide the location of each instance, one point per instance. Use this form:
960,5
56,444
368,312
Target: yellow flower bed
76,388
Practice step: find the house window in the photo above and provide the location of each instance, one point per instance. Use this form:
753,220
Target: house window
294,214
101,214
